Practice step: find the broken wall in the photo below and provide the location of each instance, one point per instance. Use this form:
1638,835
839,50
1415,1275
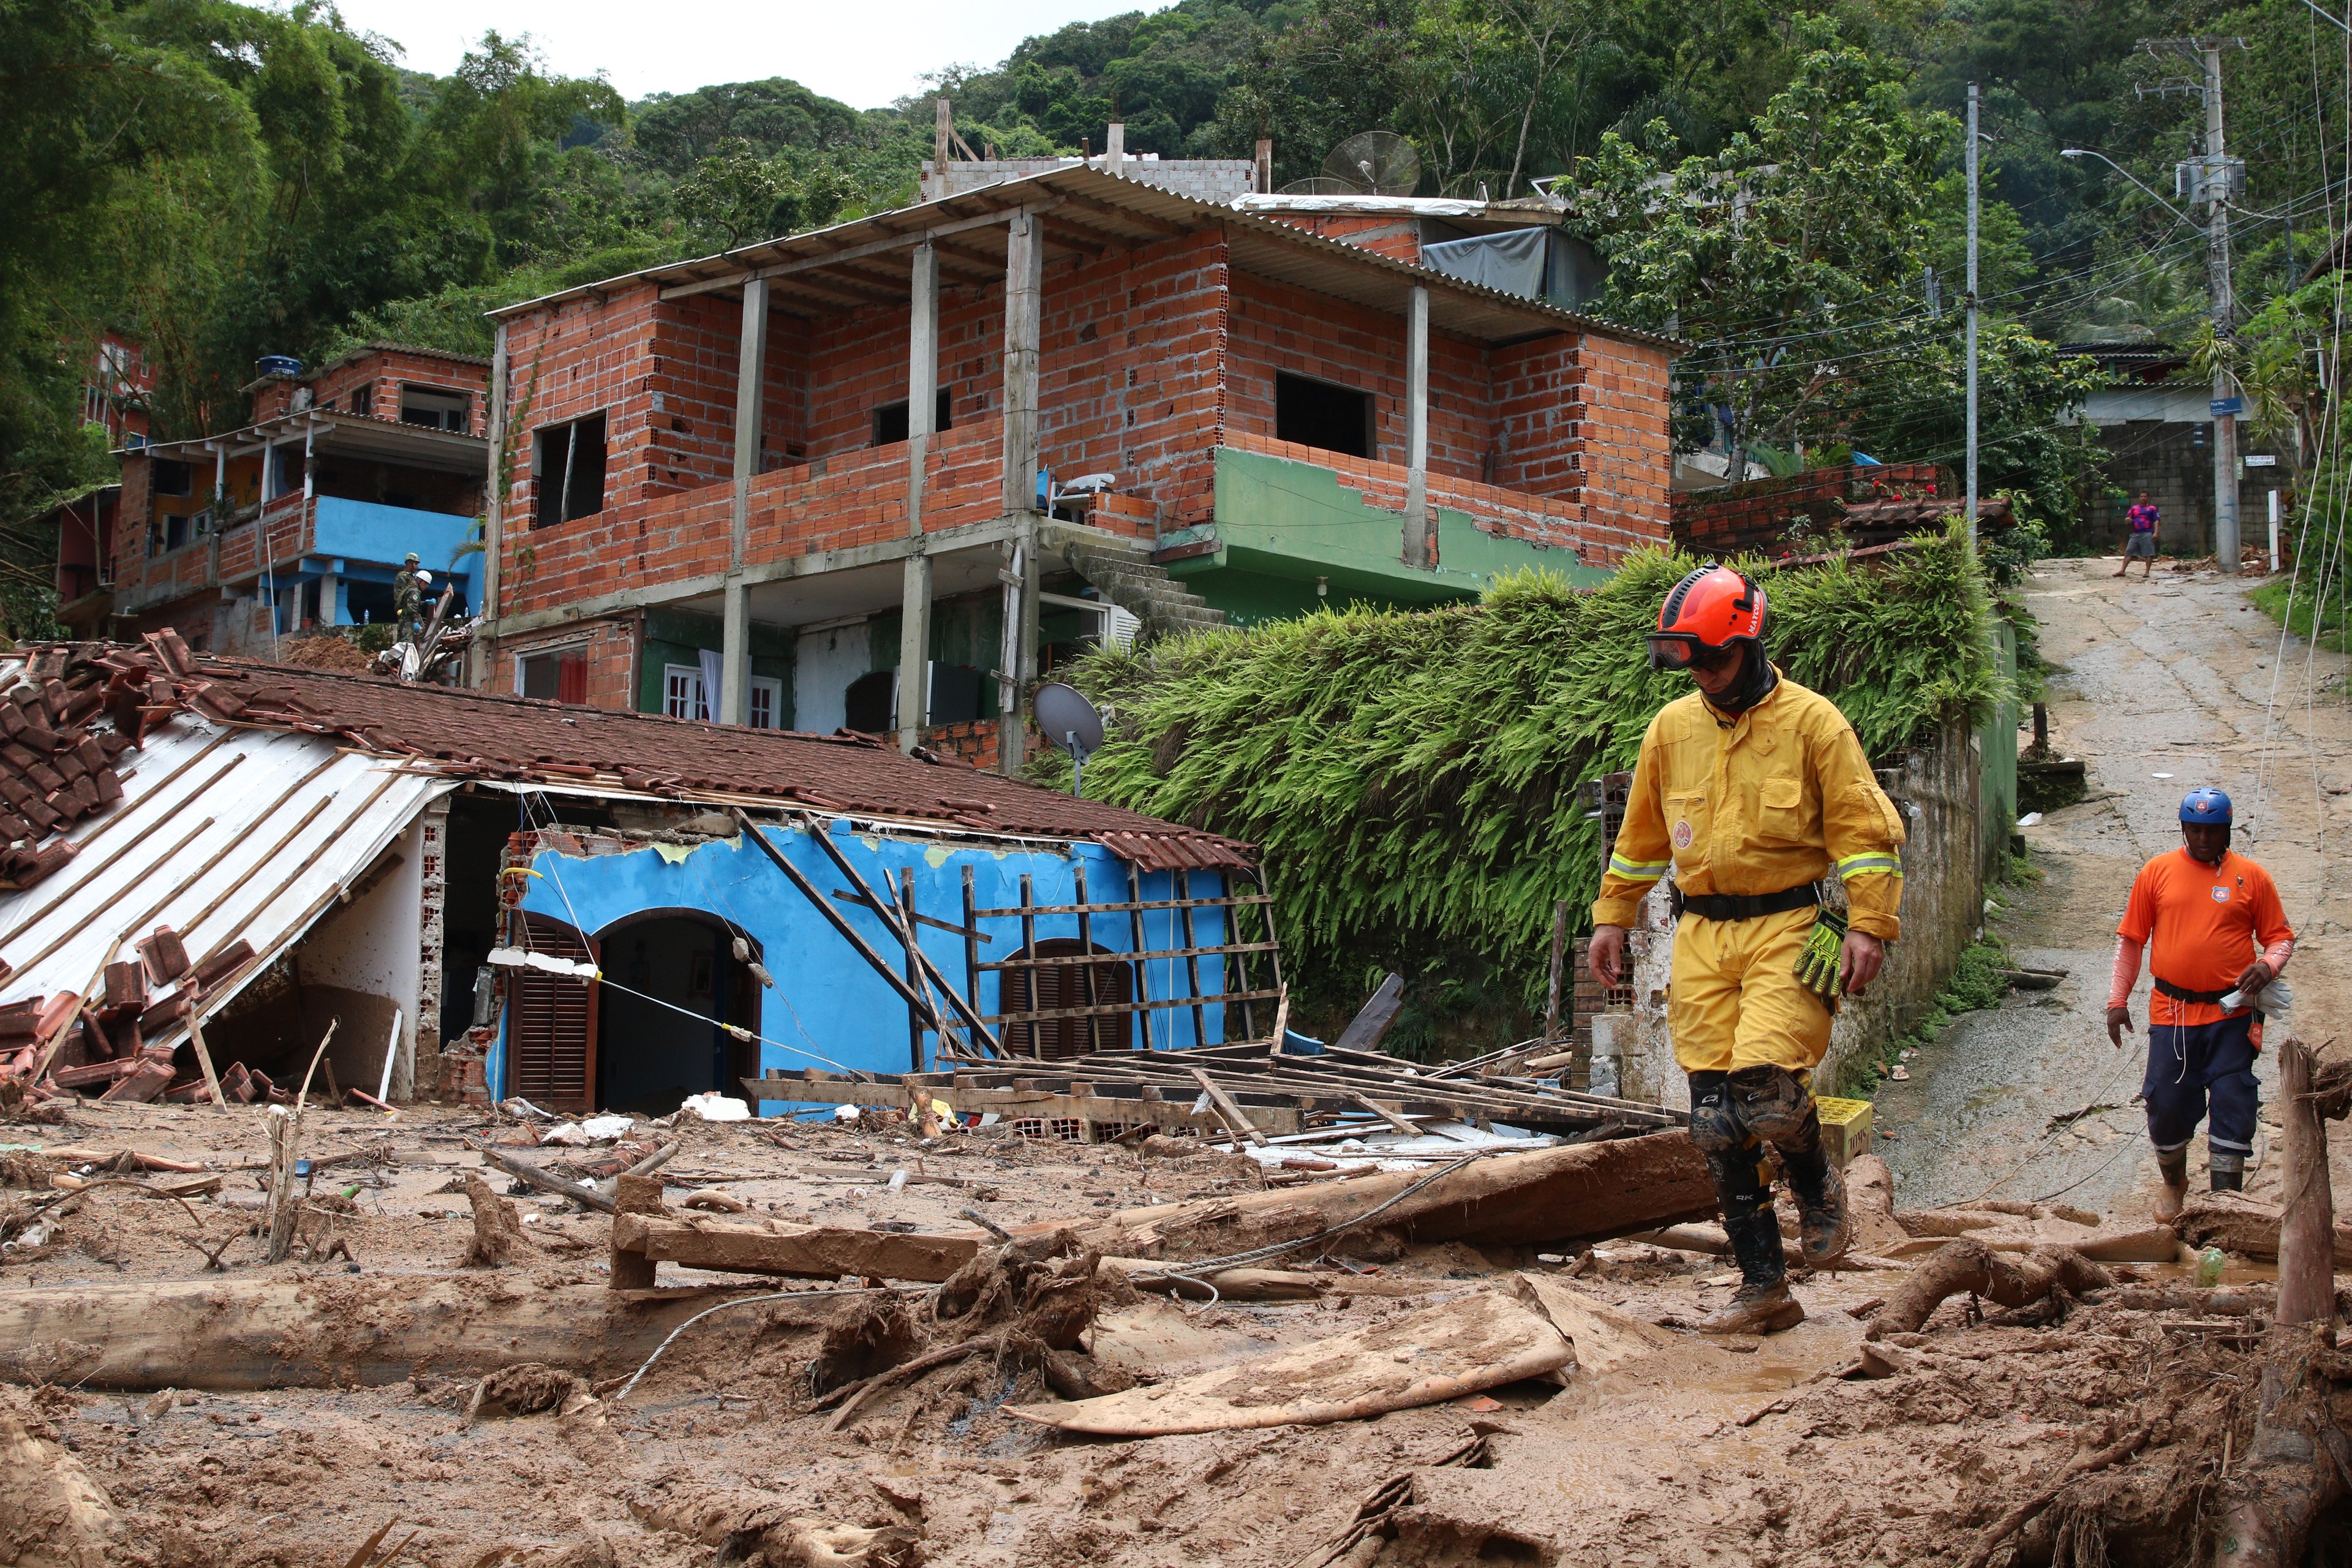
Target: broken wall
1936,786
362,964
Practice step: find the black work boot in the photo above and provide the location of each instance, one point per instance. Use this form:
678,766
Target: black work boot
1778,1105
1762,1304
2228,1170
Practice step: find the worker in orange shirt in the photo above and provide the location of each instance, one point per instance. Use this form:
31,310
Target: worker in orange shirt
1754,789
2219,936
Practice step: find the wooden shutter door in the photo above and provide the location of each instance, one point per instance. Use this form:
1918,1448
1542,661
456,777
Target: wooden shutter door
552,1022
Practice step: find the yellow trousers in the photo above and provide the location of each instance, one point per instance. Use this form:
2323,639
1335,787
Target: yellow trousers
1736,1001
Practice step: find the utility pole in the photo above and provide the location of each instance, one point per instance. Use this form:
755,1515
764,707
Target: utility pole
2216,261
1975,97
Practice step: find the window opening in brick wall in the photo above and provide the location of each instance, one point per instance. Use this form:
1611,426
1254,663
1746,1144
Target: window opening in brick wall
364,399
436,408
1318,413
173,479
569,473
562,677
890,419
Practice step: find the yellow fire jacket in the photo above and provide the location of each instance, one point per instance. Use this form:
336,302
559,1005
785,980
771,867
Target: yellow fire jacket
1779,796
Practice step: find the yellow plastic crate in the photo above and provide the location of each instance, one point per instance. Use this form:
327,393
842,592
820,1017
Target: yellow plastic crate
1845,1127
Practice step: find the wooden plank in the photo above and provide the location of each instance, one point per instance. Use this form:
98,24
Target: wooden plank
1108,1008
1175,1116
1370,1025
1193,962
1113,955
803,1252
1134,905
1235,1122
1385,1114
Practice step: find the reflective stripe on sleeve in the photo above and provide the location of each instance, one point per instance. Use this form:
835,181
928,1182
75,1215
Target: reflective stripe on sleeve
1854,866
1634,871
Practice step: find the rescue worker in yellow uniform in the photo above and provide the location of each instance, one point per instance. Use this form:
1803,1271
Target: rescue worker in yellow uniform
1754,789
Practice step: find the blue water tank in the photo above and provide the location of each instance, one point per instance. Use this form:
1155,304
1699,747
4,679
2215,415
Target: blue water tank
278,364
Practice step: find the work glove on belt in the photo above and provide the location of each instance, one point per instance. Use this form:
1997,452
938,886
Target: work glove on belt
1818,960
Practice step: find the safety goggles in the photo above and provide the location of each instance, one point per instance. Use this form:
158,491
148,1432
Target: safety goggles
1680,650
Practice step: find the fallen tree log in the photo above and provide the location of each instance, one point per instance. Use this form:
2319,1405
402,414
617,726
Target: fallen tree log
2236,1222
1229,1284
806,1252
318,1333
1571,1194
1965,1264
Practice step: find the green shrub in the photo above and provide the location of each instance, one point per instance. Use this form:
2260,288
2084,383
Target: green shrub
1411,777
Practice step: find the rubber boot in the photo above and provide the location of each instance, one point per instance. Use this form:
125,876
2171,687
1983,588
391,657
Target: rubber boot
2228,1170
1824,1226
1762,1304
2172,1167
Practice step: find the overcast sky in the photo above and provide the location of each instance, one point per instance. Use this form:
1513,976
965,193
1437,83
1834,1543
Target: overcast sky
863,52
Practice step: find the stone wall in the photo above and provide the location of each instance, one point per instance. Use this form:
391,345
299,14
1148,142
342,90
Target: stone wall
1943,902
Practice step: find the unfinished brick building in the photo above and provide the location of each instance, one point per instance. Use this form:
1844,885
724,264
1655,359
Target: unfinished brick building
300,519
1058,404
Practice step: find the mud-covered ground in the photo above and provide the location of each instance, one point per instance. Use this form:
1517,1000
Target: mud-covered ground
2162,686
1702,1453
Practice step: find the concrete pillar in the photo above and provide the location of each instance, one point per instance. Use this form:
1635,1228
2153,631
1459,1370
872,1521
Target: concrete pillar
1264,164
1114,150
1024,281
922,403
494,501
1419,543
750,388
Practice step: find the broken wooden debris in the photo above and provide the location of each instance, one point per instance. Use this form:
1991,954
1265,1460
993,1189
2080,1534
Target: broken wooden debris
1967,1265
806,1252
1480,1340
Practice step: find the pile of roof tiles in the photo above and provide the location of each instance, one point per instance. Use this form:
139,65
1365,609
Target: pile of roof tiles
486,735
101,1042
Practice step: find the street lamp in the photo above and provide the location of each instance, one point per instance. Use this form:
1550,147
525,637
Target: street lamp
2135,179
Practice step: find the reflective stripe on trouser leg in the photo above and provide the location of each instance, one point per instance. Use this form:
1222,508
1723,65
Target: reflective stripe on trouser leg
1736,1001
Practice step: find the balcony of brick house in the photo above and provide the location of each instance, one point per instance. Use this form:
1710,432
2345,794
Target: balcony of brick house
1031,405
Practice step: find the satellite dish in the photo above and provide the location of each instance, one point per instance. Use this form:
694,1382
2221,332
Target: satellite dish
1320,186
1070,722
1375,164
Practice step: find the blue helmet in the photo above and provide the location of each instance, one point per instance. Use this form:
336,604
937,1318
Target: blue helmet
2206,805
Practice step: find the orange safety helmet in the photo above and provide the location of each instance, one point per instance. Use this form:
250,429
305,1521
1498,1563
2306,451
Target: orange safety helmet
1709,611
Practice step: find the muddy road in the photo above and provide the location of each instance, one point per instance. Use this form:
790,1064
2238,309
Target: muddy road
2162,686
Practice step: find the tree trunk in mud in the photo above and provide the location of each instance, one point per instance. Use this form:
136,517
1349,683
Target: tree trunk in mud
2287,1482
1968,1264
1573,1194
319,1334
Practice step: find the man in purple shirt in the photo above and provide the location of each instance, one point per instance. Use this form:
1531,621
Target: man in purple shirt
2141,546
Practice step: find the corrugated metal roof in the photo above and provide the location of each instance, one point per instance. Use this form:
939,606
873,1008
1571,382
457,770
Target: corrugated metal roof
1112,211
221,833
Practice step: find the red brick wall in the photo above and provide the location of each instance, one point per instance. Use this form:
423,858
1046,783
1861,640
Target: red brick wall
973,742
276,397
1398,238
609,647
1279,328
382,372
1620,413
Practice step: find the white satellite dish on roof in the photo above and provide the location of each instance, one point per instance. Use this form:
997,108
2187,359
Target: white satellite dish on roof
1070,722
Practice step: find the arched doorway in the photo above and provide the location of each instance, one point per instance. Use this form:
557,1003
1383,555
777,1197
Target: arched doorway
1059,985
673,982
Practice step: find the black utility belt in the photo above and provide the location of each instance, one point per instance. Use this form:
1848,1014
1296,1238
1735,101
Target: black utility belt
2182,994
1746,905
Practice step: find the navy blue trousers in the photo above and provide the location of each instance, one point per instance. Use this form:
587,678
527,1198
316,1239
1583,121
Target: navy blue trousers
2192,1068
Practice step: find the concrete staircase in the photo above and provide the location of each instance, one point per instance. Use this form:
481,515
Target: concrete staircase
1121,568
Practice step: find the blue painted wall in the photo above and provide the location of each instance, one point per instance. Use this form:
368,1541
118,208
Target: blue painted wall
828,1008
364,530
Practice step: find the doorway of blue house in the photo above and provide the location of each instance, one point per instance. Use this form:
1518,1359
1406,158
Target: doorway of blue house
662,1037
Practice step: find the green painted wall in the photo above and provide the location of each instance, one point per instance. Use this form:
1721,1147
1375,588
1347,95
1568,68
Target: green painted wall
678,636
965,630
1281,524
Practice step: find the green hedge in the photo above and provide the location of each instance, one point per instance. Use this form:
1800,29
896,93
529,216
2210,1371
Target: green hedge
1411,777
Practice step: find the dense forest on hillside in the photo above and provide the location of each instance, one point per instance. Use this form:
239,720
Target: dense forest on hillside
224,181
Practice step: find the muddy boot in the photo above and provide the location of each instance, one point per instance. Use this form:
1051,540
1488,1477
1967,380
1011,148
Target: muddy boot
1762,1304
2172,1167
2228,1169
1824,1224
